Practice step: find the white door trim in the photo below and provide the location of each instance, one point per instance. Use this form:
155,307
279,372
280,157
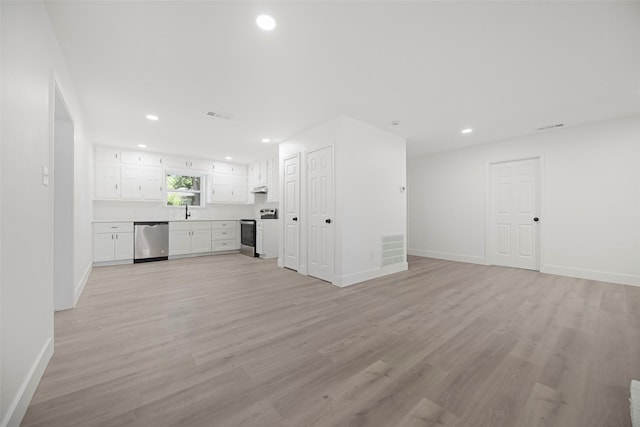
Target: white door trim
489,239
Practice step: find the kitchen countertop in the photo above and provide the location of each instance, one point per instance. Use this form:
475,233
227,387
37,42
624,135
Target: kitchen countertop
161,220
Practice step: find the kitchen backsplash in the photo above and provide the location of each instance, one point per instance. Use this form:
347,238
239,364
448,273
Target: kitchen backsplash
140,211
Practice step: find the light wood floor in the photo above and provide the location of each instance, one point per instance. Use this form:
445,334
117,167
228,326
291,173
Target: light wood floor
235,341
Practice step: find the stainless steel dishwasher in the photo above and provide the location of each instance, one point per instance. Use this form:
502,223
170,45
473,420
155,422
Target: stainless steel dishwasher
151,241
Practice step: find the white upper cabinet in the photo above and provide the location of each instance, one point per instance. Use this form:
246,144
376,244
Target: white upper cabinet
258,174
227,183
107,154
107,180
131,157
139,175
131,180
229,168
141,158
141,182
188,163
152,183
152,159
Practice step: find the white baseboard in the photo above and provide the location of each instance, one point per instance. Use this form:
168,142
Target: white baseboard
280,263
81,284
472,259
352,279
20,403
601,276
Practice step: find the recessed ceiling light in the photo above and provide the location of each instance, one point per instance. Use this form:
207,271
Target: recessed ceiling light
266,140
151,117
228,157
468,130
142,146
395,123
266,22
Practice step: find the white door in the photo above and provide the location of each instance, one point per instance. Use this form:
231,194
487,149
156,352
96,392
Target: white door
320,193
291,241
514,214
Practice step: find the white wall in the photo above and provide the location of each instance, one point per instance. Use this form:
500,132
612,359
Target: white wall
369,169
320,136
590,200
31,63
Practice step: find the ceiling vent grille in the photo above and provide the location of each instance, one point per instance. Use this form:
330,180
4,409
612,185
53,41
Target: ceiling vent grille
219,115
550,127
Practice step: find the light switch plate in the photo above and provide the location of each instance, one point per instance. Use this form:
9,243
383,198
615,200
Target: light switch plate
45,175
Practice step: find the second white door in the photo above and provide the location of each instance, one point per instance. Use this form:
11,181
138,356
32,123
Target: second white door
291,236
514,214
320,218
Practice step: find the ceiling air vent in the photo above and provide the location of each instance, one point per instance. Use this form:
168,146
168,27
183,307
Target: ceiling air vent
550,127
219,115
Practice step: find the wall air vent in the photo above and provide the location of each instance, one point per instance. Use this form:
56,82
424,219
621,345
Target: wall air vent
393,249
219,115
550,127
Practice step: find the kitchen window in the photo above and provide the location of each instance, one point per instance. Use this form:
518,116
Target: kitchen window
184,189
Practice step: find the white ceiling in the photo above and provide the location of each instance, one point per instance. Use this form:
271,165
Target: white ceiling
501,68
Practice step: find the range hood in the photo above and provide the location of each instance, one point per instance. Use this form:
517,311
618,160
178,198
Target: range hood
260,190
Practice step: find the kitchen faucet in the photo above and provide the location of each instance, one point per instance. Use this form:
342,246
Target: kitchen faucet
187,214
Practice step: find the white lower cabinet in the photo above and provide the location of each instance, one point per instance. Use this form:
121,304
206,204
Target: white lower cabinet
200,241
267,238
113,242
225,236
179,241
189,237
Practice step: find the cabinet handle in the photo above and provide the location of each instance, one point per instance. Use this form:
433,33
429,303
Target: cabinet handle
112,237
140,187
116,155
116,186
116,237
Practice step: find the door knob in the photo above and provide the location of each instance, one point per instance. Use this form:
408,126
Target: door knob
295,218
536,219
328,221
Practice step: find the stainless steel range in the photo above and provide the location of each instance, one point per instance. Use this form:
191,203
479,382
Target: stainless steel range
248,237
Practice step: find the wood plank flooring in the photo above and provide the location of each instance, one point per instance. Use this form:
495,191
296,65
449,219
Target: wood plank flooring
234,341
